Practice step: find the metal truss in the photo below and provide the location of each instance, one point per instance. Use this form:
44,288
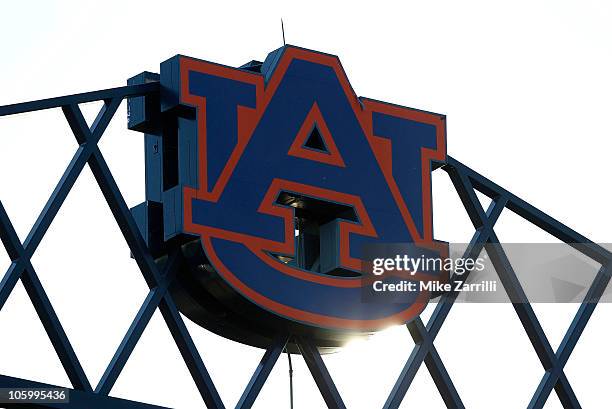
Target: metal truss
159,277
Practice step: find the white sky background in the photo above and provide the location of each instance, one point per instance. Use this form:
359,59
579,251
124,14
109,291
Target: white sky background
526,87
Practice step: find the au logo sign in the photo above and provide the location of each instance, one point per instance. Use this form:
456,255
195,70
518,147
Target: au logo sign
278,175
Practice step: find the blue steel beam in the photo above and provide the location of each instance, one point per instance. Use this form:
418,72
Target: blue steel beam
43,307
426,351
484,227
190,354
140,322
554,363
572,336
464,178
119,92
530,322
148,268
24,252
262,372
59,194
112,194
143,258
533,215
435,366
319,372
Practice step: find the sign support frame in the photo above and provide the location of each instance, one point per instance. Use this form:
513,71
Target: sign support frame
158,278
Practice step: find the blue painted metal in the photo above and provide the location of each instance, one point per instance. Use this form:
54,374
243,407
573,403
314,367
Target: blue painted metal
149,88
262,372
421,352
465,181
145,313
435,366
43,307
319,372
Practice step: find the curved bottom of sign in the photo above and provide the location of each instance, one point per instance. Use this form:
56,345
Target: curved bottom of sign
206,299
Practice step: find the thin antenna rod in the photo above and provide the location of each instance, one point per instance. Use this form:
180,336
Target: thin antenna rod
283,30
290,381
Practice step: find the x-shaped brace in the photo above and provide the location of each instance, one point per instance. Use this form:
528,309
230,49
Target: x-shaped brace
424,350
158,296
21,254
554,377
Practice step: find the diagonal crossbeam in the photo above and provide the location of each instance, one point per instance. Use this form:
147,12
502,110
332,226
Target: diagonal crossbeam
319,372
514,289
158,296
262,372
434,364
41,304
530,322
553,376
57,198
140,322
143,258
21,254
553,363
424,350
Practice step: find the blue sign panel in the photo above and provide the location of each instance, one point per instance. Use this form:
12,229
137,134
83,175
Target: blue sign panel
284,175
